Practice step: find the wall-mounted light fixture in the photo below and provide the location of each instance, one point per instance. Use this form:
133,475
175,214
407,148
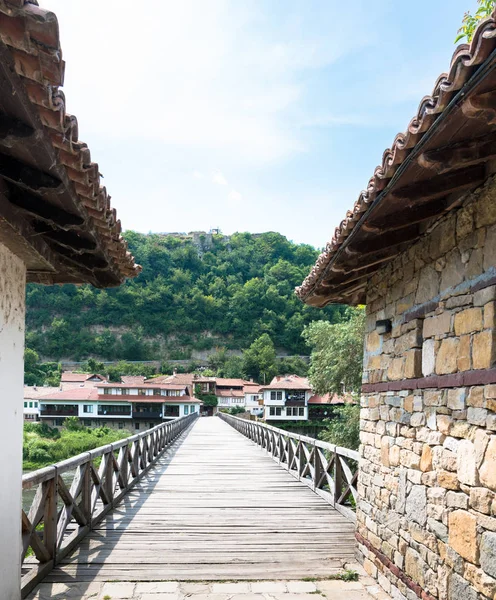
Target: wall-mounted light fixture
383,326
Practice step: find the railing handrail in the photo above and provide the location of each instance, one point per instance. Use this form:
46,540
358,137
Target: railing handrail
321,465
93,492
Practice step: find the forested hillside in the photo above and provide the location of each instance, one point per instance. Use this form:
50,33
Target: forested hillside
213,291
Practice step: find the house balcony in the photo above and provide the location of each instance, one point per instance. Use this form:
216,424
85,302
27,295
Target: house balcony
147,415
114,411
59,411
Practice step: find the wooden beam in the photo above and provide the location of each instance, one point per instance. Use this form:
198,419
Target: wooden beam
459,155
387,241
29,177
38,207
10,127
406,215
441,185
69,239
482,106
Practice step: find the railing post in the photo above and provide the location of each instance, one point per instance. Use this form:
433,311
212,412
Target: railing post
338,477
109,476
316,466
50,517
301,459
290,454
86,492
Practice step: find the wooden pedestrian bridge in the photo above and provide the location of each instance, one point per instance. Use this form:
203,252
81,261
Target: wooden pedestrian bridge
192,499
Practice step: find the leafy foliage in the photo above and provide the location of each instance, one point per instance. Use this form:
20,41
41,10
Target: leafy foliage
37,373
44,445
225,293
259,360
470,21
344,428
337,353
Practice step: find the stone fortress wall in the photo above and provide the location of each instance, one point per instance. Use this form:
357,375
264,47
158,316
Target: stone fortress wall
427,486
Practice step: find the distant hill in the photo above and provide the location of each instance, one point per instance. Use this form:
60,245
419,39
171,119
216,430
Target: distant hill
197,292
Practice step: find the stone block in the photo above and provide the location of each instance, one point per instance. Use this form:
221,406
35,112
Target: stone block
301,587
460,588
444,423
438,529
468,321
457,500
482,582
462,535
490,315
446,360
413,363
463,359
428,286
396,370
429,357
481,499
477,416
490,249
417,419
466,463
476,397
457,398
415,566
483,349
488,553
416,503
412,339
426,458
457,301
437,325
482,297
448,480
374,342
487,472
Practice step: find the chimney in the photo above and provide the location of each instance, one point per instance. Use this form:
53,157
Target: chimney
174,372
251,379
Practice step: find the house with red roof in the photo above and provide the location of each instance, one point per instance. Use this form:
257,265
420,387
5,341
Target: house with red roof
119,405
286,398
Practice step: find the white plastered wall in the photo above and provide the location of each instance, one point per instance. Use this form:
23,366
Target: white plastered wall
12,318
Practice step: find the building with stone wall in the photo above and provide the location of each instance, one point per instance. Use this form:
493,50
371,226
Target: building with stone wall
419,249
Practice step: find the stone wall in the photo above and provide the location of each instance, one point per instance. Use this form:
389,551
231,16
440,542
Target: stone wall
427,509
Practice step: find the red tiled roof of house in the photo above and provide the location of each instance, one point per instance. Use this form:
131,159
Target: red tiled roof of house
90,393
32,392
133,379
230,393
329,399
90,247
179,378
288,382
221,381
151,399
386,215
158,386
252,388
69,377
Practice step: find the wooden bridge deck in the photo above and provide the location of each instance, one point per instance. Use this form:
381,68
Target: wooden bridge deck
214,507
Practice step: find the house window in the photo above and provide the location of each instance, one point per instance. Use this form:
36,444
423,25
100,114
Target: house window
25,404
156,392
88,408
186,410
276,395
275,411
30,405
36,404
121,425
301,411
136,425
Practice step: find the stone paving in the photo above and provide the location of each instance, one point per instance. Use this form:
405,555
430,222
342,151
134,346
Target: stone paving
364,589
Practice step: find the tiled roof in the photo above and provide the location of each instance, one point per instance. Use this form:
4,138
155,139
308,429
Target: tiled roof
230,394
133,379
179,378
151,399
329,399
33,391
288,382
69,377
148,384
74,394
252,388
329,279
79,233
231,382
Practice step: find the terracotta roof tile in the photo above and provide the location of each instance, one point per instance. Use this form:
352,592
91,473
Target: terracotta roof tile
31,34
288,382
69,377
465,61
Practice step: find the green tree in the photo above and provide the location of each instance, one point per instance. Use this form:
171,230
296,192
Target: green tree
470,21
344,429
337,353
259,361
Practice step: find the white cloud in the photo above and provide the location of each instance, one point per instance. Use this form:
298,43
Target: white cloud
219,178
198,175
235,197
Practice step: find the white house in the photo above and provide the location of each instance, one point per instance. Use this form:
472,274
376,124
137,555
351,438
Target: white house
253,399
118,406
32,395
286,398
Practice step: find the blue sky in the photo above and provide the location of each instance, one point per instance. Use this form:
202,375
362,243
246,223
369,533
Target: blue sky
249,116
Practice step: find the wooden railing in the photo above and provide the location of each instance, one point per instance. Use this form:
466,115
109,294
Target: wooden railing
62,513
329,470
